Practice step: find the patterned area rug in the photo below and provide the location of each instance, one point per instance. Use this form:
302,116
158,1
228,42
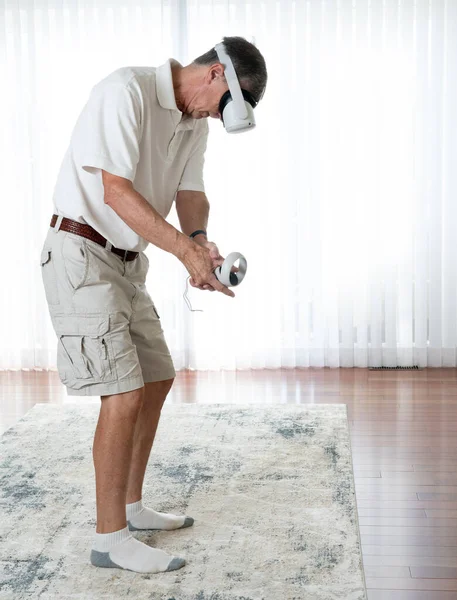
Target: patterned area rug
271,489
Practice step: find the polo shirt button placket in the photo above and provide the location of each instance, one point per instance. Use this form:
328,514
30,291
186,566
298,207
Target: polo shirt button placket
124,262
174,143
171,146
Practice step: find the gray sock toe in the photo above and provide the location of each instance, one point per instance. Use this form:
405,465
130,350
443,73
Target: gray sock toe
102,559
175,564
188,522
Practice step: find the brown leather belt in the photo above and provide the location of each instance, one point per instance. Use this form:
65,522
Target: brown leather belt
91,234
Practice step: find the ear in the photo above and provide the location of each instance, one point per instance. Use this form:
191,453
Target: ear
216,71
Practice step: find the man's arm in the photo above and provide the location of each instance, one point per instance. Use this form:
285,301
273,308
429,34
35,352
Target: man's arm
193,211
120,196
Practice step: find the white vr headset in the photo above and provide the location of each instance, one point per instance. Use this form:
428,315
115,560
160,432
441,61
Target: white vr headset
236,105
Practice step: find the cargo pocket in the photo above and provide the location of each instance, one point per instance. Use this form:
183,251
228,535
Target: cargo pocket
84,354
48,275
75,260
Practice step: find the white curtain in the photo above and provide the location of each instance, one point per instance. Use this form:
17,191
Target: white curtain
343,199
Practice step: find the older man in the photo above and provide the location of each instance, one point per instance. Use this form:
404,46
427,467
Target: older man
137,146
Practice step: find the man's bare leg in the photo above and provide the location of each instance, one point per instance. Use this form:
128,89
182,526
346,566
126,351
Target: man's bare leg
114,546
138,516
145,431
112,454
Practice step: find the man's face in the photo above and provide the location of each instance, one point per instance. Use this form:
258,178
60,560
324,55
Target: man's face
206,97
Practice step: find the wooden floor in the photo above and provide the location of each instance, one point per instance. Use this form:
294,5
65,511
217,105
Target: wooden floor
403,429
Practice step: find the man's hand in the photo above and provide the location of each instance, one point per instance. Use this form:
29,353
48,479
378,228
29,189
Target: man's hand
200,260
215,257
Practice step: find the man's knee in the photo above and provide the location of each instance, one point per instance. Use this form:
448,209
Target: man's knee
159,385
168,384
131,401
157,391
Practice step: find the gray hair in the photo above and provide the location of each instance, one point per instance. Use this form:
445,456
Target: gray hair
249,64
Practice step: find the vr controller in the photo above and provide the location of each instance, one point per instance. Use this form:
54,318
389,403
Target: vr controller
224,273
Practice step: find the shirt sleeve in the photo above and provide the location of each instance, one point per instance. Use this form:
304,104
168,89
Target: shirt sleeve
192,177
108,132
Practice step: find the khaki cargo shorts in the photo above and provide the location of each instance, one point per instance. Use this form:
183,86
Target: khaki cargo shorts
110,339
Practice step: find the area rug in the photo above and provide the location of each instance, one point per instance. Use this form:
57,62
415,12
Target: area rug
271,490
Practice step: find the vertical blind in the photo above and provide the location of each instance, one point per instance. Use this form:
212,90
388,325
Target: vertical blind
343,199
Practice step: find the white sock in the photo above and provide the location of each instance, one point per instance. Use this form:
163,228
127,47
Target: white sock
121,549
141,517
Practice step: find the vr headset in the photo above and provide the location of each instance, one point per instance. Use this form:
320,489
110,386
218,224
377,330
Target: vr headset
236,105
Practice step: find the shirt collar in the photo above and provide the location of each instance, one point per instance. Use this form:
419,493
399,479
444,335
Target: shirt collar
166,93
164,83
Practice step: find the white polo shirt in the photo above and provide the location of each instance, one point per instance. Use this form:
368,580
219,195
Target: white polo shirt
130,127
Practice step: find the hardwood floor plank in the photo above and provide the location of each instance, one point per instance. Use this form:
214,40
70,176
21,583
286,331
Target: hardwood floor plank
407,448
414,504
412,522
389,513
395,418
405,441
379,496
428,478
419,530
362,470
437,496
444,585
410,595
438,466
363,474
396,463
406,560
390,571
387,454
433,513
372,428
405,550
379,485
408,540
434,572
